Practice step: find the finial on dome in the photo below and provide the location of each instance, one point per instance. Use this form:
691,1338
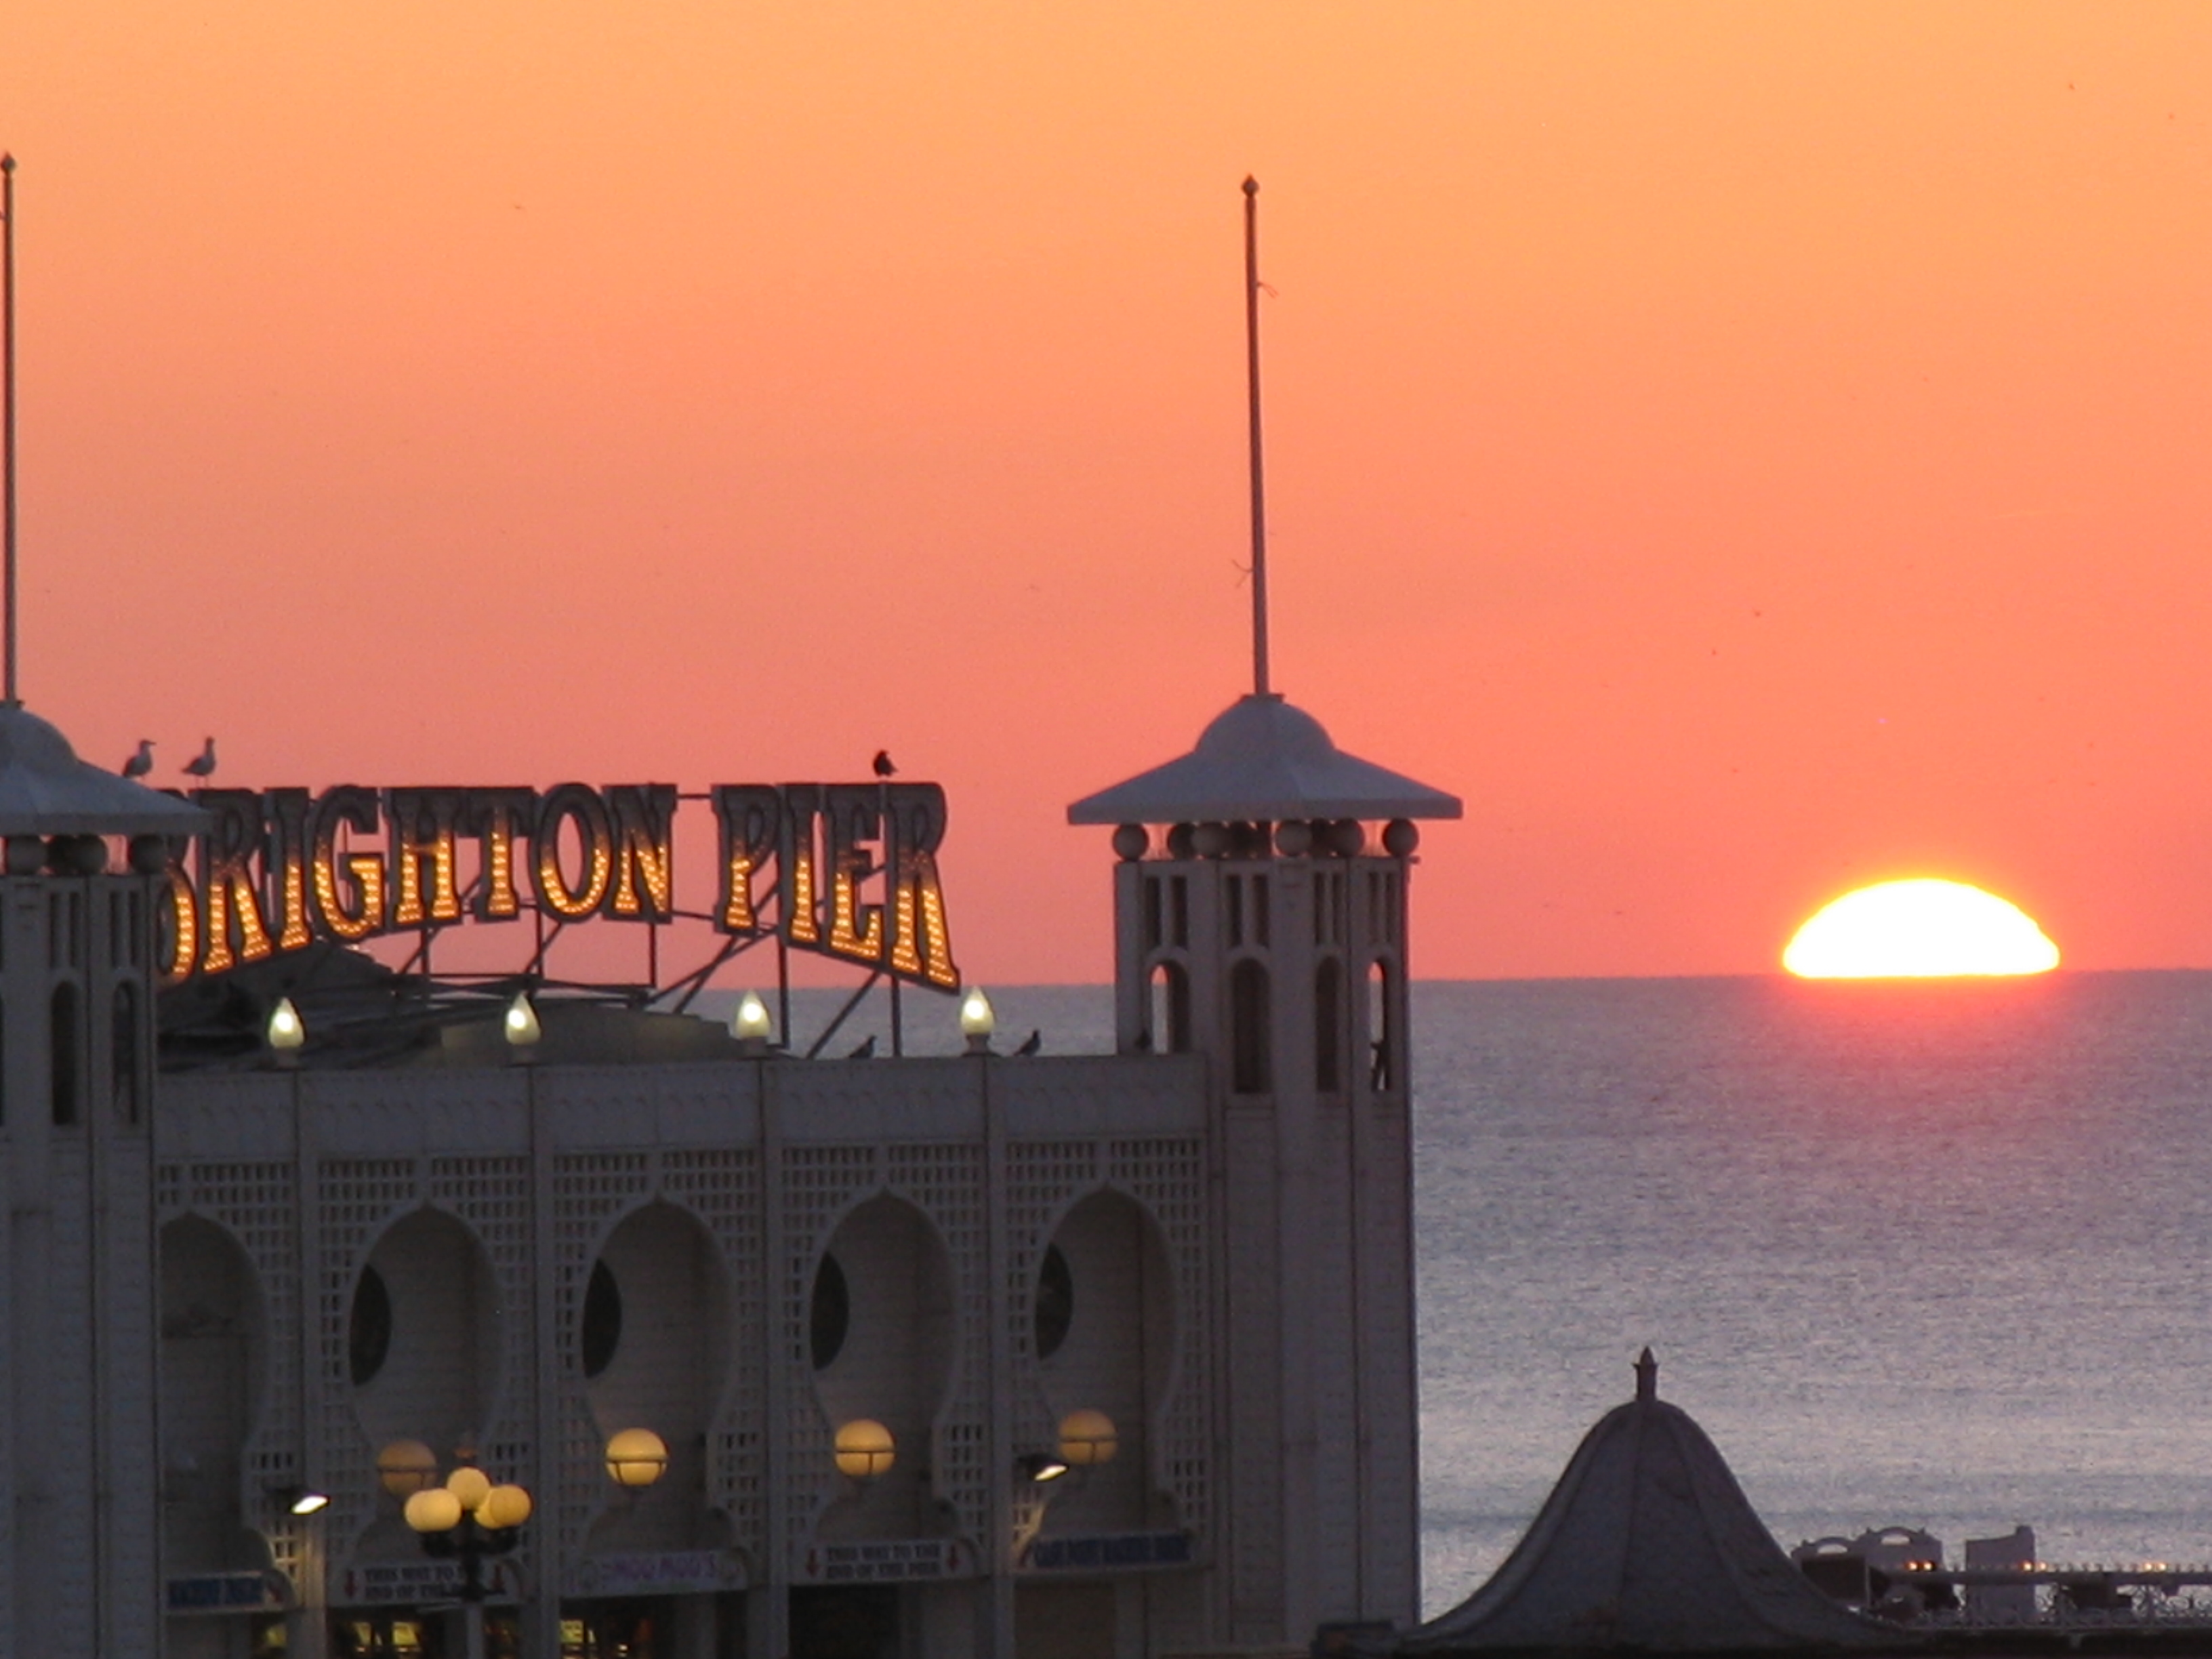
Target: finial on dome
1647,1377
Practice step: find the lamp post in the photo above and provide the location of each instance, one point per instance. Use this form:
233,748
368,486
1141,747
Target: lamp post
466,1519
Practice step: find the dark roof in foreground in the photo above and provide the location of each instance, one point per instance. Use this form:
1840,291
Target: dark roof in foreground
1648,1543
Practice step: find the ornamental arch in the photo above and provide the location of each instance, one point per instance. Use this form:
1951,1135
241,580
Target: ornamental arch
653,1345
1105,1339
213,1377
883,1334
423,1335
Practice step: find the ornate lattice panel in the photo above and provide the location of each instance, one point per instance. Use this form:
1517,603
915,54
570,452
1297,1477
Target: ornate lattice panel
590,1191
944,1180
722,1187
819,1184
1165,1177
256,1203
491,1195
355,1197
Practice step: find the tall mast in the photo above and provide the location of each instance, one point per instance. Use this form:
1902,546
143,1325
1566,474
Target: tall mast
7,408
1259,489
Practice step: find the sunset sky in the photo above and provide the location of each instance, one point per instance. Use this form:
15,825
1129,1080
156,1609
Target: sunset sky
1744,450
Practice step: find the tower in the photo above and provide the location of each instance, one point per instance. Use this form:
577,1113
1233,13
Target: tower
78,1465
1261,921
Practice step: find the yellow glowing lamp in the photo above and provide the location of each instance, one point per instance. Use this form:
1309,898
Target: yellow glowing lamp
287,1032
433,1509
977,1018
637,1457
751,1022
405,1467
1087,1438
504,1507
865,1449
522,1027
470,1486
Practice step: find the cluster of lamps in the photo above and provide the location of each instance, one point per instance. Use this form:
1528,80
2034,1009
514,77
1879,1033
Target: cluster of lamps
865,1449
751,1024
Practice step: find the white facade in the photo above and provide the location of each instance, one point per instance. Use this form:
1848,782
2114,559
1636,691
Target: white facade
228,1287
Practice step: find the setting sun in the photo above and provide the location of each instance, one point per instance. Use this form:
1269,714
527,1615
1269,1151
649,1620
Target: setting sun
1919,929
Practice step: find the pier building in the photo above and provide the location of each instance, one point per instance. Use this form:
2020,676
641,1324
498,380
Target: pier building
1060,1357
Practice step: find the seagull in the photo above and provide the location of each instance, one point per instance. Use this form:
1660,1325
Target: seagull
202,765
883,767
1034,1045
865,1051
141,762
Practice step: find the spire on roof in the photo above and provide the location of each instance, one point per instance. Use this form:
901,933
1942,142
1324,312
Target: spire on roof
1646,1542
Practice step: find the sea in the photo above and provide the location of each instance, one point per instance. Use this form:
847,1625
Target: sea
1933,1254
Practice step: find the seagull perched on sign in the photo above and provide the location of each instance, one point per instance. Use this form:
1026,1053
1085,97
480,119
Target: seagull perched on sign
202,765
865,1051
883,767
1034,1044
141,762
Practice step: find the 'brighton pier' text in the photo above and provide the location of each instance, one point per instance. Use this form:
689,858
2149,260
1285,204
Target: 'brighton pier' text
850,869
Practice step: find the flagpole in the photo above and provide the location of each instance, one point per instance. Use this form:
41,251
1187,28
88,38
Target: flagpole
8,407
1252,389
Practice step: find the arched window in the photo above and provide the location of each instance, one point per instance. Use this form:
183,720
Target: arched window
61,1053
1248,1069
1328,1026
1169,1029
122,1052
1382,1072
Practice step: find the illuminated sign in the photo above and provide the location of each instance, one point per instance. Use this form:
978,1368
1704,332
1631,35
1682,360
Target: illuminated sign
843,869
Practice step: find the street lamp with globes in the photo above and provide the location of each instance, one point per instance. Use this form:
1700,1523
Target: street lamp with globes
468,1518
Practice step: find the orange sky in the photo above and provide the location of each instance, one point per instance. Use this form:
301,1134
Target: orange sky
1744,450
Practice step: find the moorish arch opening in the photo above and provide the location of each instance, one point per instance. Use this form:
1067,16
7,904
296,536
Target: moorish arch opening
653,1342
892,1359
1250,1072
1328,1026
1111,1301
213,1359
1168,1012
424,1326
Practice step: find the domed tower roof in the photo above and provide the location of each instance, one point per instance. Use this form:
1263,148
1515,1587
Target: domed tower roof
1647,1542
45,790
1263,760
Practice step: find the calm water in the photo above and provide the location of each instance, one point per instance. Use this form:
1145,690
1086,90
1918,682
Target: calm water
1939,1256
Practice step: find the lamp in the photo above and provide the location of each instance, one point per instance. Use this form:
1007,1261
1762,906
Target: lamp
435,1508
468,1517
1087,1438
521,1026
978,1019
636,1458
865,1449
300,1500
751,1025
1040,1466
287,1032
405,1467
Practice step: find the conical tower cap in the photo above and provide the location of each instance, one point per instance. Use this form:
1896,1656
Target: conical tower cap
1264,760
45,790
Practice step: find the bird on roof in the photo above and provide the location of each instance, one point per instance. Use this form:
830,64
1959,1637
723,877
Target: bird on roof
141,762
883,764
1033,1044
865,1051
202,765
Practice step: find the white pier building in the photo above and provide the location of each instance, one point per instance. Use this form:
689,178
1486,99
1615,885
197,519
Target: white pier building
864,1308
